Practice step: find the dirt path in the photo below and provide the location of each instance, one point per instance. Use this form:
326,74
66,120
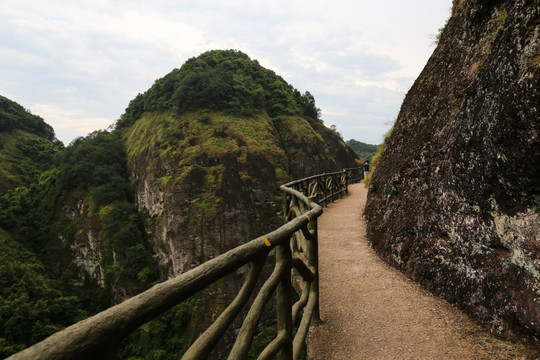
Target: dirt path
372,311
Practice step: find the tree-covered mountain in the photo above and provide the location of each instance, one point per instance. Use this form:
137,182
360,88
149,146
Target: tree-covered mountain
226,81
33,302
27,145
365,152
206,169
191,170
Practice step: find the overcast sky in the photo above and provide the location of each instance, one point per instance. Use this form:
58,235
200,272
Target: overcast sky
77,64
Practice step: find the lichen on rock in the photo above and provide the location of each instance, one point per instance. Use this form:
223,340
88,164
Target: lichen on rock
454,200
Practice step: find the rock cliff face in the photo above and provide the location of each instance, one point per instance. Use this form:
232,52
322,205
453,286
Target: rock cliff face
84,249
207,176
202,204
455,200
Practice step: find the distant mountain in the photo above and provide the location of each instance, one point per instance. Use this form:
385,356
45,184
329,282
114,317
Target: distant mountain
363,150
27,145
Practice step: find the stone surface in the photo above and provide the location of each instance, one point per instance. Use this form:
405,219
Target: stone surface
84,248
191,220
221,200
454,202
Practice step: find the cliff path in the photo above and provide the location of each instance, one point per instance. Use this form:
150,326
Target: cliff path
372,311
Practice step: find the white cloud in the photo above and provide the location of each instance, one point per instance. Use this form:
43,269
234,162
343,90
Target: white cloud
67,122
87,59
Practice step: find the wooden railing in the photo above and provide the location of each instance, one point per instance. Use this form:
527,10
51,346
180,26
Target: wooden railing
296,254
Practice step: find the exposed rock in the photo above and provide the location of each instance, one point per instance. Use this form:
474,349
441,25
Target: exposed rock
220,200
208,179
84,246
207,169
454,202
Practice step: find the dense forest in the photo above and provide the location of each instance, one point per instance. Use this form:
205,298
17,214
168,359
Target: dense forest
40,291
366,152
74,235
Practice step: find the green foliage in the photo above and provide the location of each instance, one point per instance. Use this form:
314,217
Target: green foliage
32,306
95,163
166,337
376,158
27,212
221,80
363,150
34,303
23,157
123,236
14,117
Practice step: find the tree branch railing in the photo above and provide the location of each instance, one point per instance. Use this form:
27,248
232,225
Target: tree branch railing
296,249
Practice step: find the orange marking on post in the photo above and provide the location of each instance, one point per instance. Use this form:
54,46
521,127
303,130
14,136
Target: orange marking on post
266,242
307,217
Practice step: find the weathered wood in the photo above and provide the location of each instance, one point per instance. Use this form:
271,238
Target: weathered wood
247,331
284,302
301,334
300,304
302,268
204,344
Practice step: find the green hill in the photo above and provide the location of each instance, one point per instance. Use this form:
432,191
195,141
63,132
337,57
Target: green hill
207,147
27,145
363,150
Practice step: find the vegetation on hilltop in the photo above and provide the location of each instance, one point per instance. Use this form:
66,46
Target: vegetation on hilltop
225,80
27,146
14,117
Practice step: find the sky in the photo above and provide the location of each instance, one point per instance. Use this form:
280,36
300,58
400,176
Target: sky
77,64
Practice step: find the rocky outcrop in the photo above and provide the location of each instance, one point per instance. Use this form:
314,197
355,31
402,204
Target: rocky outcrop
220,199
208,146
83,246
207,177
455,200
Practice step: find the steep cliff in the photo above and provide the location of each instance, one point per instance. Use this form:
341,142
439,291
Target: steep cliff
208,146
455,199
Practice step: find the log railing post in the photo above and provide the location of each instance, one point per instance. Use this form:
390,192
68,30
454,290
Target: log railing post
313,263
284,303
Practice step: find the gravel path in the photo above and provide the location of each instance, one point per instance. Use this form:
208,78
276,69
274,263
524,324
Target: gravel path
372,311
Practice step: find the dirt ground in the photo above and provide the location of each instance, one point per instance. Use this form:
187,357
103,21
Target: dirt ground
372,311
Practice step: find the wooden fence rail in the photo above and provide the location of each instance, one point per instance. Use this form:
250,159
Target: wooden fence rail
295,244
